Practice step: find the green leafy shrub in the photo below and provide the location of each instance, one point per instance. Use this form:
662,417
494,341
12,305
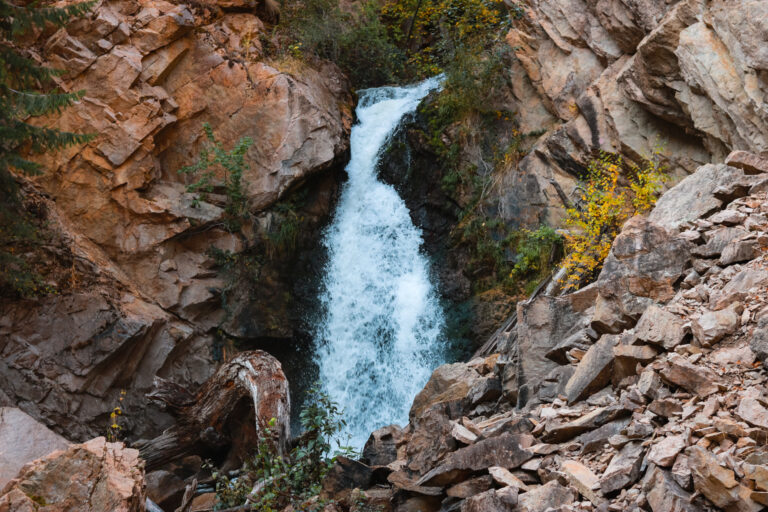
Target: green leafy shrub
270,482
537,254
356,39
214,159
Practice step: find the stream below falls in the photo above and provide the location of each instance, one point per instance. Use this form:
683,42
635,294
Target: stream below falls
378,336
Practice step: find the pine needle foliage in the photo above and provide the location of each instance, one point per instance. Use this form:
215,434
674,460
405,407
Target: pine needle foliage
24,93
22,81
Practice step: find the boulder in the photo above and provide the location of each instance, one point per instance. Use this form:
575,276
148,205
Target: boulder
759,341
345,475
658,326
402,481
750,163
593,371
739,251
712,326
504,450
542,324
595,440
501,500
381,447
738,287
694,197
449,384
728,217
469,488
642,268
22,440
665,452
753,412
681,472
583,480
505,478
717,240
430,439
552,494
97,476
560,431
694,378
624,468
462,434
717,483
664,494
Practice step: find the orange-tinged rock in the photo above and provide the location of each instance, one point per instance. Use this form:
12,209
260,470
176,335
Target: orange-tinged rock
96,476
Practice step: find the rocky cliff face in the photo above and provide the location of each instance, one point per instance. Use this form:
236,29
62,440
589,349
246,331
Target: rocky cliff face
624,76
644,391
138,291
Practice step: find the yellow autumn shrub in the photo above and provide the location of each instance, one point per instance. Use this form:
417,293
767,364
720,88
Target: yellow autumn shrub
605,204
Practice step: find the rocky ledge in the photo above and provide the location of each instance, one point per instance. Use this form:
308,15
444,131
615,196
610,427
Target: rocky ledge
643,391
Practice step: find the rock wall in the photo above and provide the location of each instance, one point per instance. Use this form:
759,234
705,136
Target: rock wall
645,391
624,76
138,293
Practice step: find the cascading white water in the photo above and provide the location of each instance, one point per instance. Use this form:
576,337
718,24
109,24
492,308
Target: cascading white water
378,338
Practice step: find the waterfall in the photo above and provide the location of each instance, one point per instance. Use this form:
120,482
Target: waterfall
379,335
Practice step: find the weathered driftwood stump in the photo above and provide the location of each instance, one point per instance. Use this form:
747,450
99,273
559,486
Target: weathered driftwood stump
227,413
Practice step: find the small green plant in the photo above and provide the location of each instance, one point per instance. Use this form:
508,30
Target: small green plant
269,482
605,205
214,159
537,253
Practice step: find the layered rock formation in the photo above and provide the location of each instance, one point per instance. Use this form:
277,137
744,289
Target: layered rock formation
138,292
650,396
631,78
624,77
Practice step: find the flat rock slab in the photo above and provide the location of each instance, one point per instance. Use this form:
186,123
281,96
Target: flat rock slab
665,452
583,480
549,495
753,412
561,432
624,468
593,371
696,379
471,487
23,439
504,450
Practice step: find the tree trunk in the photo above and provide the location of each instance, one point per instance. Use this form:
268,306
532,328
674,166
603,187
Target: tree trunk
227,414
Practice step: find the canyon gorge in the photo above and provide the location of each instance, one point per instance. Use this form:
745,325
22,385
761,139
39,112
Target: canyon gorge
328,256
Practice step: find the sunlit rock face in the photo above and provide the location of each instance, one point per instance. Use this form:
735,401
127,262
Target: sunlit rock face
138,291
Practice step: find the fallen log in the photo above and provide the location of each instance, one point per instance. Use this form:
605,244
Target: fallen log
227,414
